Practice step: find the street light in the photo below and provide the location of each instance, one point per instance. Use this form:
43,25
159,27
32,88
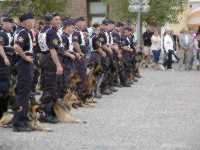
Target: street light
139,7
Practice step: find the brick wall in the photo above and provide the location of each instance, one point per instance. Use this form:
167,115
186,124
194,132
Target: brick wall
77,8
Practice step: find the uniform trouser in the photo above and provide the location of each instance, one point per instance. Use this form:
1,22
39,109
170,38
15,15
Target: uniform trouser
128,63
134,60
115,68
95,60
69,68
36,74
4,87
49,81
106,63
122,74
24,85
81,68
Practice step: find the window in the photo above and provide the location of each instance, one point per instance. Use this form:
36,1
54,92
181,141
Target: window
97,8
97,20
97,11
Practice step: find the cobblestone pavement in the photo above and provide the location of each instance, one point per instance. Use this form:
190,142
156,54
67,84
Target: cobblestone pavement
161,112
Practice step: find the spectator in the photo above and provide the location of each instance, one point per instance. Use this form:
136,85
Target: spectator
156,48
197,49
168,48
147,46
186,50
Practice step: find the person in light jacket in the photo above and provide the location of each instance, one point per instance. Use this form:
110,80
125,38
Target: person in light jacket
186,49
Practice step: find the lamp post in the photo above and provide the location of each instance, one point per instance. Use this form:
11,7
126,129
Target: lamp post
139,7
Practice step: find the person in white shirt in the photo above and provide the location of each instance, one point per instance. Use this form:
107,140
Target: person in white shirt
156,48
168,46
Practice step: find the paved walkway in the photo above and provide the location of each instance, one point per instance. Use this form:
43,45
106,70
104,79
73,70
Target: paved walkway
161,112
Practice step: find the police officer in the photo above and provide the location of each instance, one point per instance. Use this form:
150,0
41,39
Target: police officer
79,37
106,40
6,53
41,42
51,65
69,53
96,58
23,46
127,53
135,65
79,43
116,36
36,52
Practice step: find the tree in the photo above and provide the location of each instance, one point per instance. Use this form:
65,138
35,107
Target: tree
38,7
161,11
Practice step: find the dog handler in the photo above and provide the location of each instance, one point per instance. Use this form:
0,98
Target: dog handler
23,45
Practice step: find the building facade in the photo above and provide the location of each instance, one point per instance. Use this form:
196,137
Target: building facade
94,10
189,18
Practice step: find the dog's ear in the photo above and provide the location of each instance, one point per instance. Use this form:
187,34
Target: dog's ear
68,91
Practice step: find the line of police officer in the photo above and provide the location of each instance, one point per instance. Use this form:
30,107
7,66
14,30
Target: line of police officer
64,48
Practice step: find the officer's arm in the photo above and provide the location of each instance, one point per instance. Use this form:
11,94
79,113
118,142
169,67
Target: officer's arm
68,54
3,55
126,48
100,50
106,48
78,49
19,51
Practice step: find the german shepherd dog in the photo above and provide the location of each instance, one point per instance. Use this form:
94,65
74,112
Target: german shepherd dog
90,84
34,113
71,100
33,116
7,117
74,80
63,114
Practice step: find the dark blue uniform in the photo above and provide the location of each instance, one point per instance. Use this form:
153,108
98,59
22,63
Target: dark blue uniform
69,64
6,42
95,58
116,38
117,61
49,39
127,56
106,62
23,38
133,45
78,37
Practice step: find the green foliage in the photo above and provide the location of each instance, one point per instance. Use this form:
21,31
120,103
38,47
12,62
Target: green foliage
38,7
161,11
